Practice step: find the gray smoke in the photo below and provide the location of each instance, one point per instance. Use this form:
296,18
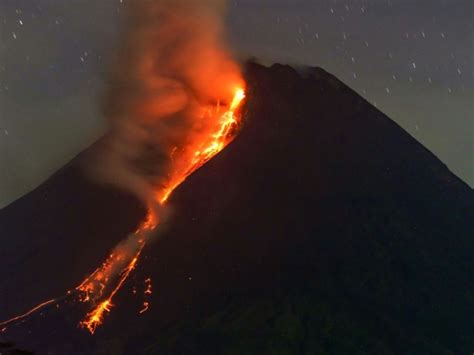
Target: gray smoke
172,63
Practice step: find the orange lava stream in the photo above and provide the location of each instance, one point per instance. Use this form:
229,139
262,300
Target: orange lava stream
96,282
208,149
94,318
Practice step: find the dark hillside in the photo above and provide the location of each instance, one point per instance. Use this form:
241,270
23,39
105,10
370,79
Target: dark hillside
324,228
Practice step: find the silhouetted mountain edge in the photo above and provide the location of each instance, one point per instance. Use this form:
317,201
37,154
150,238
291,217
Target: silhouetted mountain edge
324,228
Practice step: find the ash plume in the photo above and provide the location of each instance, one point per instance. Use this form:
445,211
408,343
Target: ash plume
171,66
170,104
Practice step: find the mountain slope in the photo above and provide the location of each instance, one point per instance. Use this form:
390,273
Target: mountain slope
322,191
323,228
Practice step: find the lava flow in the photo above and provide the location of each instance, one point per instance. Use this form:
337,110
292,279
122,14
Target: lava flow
165,122
100,287
95,284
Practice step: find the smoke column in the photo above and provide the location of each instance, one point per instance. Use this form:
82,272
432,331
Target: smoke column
171,73
170,103
171,67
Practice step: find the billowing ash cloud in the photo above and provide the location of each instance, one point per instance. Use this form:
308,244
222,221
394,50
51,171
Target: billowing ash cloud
172,64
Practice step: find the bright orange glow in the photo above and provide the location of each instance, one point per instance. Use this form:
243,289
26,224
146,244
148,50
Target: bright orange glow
204,150
238,98
102,285
93,287
95,317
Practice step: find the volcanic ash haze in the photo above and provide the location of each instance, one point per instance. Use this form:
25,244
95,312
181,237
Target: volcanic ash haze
171,71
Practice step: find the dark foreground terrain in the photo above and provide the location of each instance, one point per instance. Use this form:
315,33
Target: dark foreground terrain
324,228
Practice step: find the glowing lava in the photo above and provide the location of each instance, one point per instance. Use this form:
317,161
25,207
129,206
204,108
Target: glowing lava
94,286
148,290
99,288
94,318
146,306
208,148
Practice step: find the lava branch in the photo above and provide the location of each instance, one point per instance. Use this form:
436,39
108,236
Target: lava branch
28,313
146,306
94,318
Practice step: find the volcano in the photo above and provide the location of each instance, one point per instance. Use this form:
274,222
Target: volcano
323,228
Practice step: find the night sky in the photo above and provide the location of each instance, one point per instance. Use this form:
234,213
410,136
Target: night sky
413,59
